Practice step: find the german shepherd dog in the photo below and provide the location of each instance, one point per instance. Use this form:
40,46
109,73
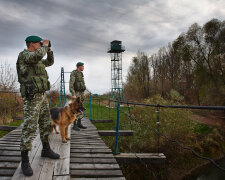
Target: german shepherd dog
63,117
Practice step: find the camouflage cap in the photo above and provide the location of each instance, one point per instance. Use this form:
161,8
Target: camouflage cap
33,39
80,64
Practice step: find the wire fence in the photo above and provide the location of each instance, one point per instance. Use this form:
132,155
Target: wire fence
102,101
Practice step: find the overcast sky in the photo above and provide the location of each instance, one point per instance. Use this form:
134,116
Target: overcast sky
81,30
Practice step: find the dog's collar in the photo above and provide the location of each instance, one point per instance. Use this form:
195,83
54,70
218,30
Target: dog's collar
72,111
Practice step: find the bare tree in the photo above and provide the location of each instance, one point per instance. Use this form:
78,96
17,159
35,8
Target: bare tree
8,77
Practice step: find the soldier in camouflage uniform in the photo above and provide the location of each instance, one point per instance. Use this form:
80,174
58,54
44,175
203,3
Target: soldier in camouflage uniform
77,88
33,80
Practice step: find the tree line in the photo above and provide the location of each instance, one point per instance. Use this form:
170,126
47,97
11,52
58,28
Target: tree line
193,65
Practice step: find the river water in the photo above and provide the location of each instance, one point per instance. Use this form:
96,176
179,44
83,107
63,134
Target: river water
212,173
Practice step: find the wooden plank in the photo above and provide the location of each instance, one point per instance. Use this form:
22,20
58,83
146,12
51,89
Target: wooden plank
5,177
36,165
90,157
47,168
94,166
84,155
9,153
13,134
6,172
108,178
10,138
93,160
7,147
10,159
88,147
90,129
87,137
87,143
7,128
8,142
64,177
46,171
17,131
18,175
8,165
97,173
62,166
83,132
113,133
91,151
102,121
154,158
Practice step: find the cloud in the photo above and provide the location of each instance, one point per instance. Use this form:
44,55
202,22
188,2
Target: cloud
83,29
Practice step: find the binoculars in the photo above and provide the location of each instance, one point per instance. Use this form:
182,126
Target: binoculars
49,44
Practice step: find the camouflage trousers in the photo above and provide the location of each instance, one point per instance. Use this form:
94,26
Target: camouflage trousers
36,111
79,94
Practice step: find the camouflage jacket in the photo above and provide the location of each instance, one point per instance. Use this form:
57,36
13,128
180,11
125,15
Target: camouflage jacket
31,72
77,83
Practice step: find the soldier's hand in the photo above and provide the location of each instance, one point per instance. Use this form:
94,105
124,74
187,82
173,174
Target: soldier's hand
45,42
74,97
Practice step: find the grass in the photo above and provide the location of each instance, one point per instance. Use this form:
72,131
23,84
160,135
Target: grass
3,133
203,129
14,123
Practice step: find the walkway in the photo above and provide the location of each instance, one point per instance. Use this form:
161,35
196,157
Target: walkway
85,156
90,157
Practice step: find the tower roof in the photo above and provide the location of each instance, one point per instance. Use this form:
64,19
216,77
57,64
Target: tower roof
116,47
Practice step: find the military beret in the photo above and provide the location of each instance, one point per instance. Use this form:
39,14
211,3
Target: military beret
33,39
80,64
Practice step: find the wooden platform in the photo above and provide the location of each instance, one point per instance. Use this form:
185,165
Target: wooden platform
102,121
148,158
45,168
9,154
84,157
113,133
7,128
90,158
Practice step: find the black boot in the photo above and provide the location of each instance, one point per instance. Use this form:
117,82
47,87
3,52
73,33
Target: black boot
47,152
80,125
25,165
75,127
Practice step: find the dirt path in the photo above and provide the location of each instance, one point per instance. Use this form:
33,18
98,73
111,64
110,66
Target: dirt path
211,119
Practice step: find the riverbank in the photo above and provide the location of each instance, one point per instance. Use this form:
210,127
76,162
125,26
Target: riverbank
195,172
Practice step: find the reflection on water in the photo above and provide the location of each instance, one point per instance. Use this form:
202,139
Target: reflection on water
213,173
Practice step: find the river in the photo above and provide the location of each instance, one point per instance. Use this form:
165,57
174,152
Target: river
211,172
